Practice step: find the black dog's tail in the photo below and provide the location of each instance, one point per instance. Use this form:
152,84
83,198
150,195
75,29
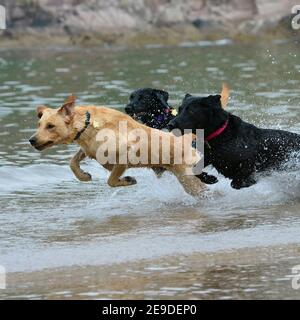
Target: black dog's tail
225,95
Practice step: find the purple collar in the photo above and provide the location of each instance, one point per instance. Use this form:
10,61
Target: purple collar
161,117
161,120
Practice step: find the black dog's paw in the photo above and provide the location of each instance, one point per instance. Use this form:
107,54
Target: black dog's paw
207,178
246,183
159,172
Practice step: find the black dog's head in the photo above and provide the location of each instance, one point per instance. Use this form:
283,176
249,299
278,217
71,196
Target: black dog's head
199,113
147,100
147,105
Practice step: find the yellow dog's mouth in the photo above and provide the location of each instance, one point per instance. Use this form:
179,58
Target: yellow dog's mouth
44,146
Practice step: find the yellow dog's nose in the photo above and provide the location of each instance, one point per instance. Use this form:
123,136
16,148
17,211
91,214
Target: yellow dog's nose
33,140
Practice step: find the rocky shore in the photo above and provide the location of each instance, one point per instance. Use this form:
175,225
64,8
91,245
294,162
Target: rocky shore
140,22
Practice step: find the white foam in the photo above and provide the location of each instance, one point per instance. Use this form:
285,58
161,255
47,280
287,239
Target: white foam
275,188
278,187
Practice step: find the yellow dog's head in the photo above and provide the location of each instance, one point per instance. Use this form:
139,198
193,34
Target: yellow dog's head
54,126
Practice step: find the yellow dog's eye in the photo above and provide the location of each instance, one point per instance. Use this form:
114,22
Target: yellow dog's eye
174,112
50,126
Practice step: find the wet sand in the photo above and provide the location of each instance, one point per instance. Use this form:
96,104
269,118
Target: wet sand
258,273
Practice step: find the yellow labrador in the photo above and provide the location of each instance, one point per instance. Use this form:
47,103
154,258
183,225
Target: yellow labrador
97,131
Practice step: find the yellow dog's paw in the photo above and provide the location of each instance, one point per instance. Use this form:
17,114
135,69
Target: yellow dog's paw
85,176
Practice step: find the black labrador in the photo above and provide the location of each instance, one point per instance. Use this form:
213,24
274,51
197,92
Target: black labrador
237,149
151,107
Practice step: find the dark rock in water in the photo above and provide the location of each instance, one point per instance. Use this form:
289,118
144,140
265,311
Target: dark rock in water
43,19
200,23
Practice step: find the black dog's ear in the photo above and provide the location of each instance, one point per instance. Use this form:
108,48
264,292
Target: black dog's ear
215,101
132,95
186,97
217,97
163,94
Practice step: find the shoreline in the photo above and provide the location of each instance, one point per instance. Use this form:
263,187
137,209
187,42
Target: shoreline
163,36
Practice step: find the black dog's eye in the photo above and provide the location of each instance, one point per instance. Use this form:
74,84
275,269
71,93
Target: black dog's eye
189,110
50,126
131,96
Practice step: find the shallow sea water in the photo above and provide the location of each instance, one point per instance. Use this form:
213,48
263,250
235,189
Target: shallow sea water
60,238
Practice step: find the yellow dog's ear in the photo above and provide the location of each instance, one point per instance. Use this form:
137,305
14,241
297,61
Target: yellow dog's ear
225,95
67,109
40,110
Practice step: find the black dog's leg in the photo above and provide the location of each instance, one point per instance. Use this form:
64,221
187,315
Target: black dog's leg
240,183
159,172
207,178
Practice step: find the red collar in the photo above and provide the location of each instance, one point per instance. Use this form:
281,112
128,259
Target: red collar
217,132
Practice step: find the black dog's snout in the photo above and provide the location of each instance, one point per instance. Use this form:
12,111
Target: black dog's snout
32,141
171,125
175,128
129,109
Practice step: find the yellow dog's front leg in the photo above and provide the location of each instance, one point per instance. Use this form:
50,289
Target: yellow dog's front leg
191,184
75,167
114,179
